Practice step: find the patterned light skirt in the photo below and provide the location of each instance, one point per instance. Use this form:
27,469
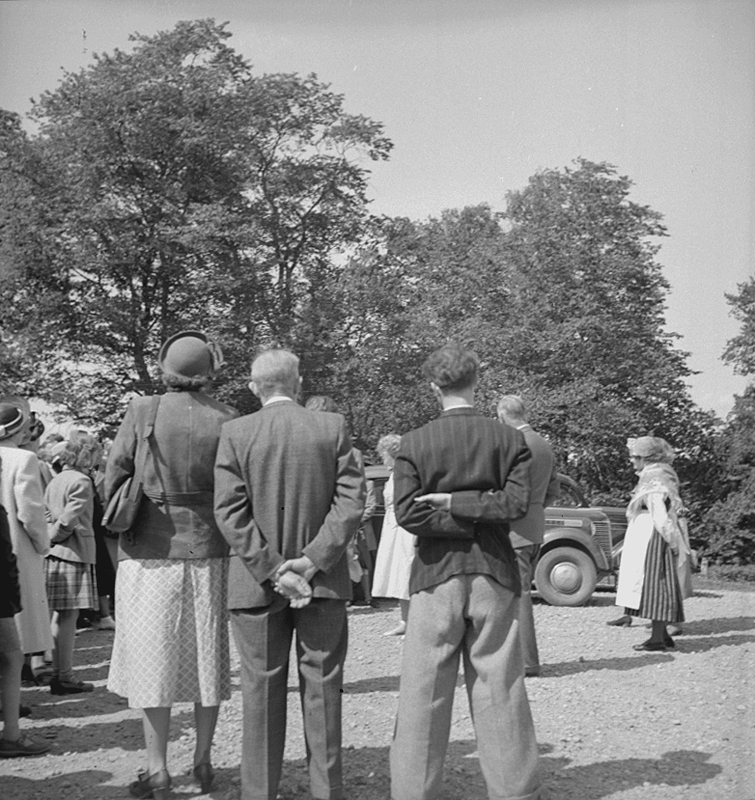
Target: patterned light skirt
70,585
171,637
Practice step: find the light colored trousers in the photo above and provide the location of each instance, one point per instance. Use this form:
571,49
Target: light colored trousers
469,617
525,557
263,638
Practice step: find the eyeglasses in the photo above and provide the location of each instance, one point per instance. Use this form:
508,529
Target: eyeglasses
636,458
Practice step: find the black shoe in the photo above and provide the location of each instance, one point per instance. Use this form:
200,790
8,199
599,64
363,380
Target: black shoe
532,672
621,622
204,775
28,678
669,642
69,687
151,786
651,646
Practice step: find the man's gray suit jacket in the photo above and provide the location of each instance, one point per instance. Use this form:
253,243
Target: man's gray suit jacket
287,484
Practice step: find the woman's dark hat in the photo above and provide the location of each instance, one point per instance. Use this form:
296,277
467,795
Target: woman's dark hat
11,420
190,354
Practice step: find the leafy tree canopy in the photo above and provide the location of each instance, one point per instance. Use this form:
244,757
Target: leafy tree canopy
169,187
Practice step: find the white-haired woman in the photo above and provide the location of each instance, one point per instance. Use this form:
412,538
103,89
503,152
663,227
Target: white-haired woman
69,568
656,543
395,553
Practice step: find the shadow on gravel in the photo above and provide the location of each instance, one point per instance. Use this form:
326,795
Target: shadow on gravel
593,781
89,785
383,683
48,706
126,733
563,668
366,772
85,785
690,645
707,627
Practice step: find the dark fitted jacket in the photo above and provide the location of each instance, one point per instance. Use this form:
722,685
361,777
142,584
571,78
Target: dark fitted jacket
530,529
175,519
485,467
287,484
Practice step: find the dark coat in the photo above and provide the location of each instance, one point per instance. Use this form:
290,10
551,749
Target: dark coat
176,517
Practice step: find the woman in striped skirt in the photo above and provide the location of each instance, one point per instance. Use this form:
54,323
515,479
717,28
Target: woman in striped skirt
656,543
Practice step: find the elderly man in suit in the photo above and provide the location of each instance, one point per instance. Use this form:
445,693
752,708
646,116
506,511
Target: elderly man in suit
527,533
289,496
458,482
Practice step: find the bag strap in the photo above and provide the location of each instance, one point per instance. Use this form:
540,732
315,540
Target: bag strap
143,447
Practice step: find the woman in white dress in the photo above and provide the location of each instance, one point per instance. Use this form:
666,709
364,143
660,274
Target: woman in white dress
395,553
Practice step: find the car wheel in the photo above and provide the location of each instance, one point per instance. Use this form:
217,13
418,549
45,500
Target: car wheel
565,576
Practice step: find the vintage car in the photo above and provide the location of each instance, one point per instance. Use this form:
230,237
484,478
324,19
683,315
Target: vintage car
582,547
582,544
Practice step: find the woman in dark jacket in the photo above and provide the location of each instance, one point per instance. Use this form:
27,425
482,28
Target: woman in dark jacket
171,641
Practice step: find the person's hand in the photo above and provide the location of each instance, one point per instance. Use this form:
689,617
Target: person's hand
438,500
292,580
293,587
302,566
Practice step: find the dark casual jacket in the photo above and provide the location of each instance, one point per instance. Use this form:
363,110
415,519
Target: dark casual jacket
176,518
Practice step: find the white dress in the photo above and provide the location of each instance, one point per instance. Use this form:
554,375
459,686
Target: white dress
393,564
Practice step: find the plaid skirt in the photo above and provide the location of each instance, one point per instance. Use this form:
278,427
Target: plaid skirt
70,585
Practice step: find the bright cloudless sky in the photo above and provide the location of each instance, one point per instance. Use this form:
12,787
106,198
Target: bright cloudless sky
477,95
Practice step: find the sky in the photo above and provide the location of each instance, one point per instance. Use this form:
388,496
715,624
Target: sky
478,95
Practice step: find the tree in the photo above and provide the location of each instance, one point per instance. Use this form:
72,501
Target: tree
183,191
731,518
592,348
561,297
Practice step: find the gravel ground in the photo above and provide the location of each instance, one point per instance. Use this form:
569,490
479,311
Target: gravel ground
611,722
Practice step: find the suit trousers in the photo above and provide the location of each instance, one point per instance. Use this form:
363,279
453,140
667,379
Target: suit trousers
473,618
526,557
263,639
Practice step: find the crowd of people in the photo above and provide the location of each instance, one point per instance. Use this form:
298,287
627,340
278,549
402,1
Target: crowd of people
257,524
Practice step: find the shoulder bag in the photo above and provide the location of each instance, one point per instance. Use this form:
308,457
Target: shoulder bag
123,506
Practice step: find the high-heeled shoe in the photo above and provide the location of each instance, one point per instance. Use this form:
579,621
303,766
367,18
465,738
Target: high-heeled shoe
156,785
623,621
652,647
205,775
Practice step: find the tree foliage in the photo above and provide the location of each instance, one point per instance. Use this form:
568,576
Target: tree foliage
731,518
563,300
180,190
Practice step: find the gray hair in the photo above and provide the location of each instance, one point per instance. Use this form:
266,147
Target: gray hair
513,406
276,372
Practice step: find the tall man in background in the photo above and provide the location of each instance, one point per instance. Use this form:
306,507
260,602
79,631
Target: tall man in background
289,496
527,533
458,481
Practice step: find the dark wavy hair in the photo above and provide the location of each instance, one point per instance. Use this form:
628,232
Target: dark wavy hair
180,383
451,367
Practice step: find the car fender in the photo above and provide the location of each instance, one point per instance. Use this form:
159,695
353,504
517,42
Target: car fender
562,536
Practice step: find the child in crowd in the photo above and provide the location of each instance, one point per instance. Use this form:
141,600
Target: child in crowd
70,572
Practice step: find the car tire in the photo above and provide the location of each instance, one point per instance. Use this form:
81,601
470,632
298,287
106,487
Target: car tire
565,576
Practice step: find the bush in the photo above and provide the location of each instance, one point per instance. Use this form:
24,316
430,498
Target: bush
738,573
